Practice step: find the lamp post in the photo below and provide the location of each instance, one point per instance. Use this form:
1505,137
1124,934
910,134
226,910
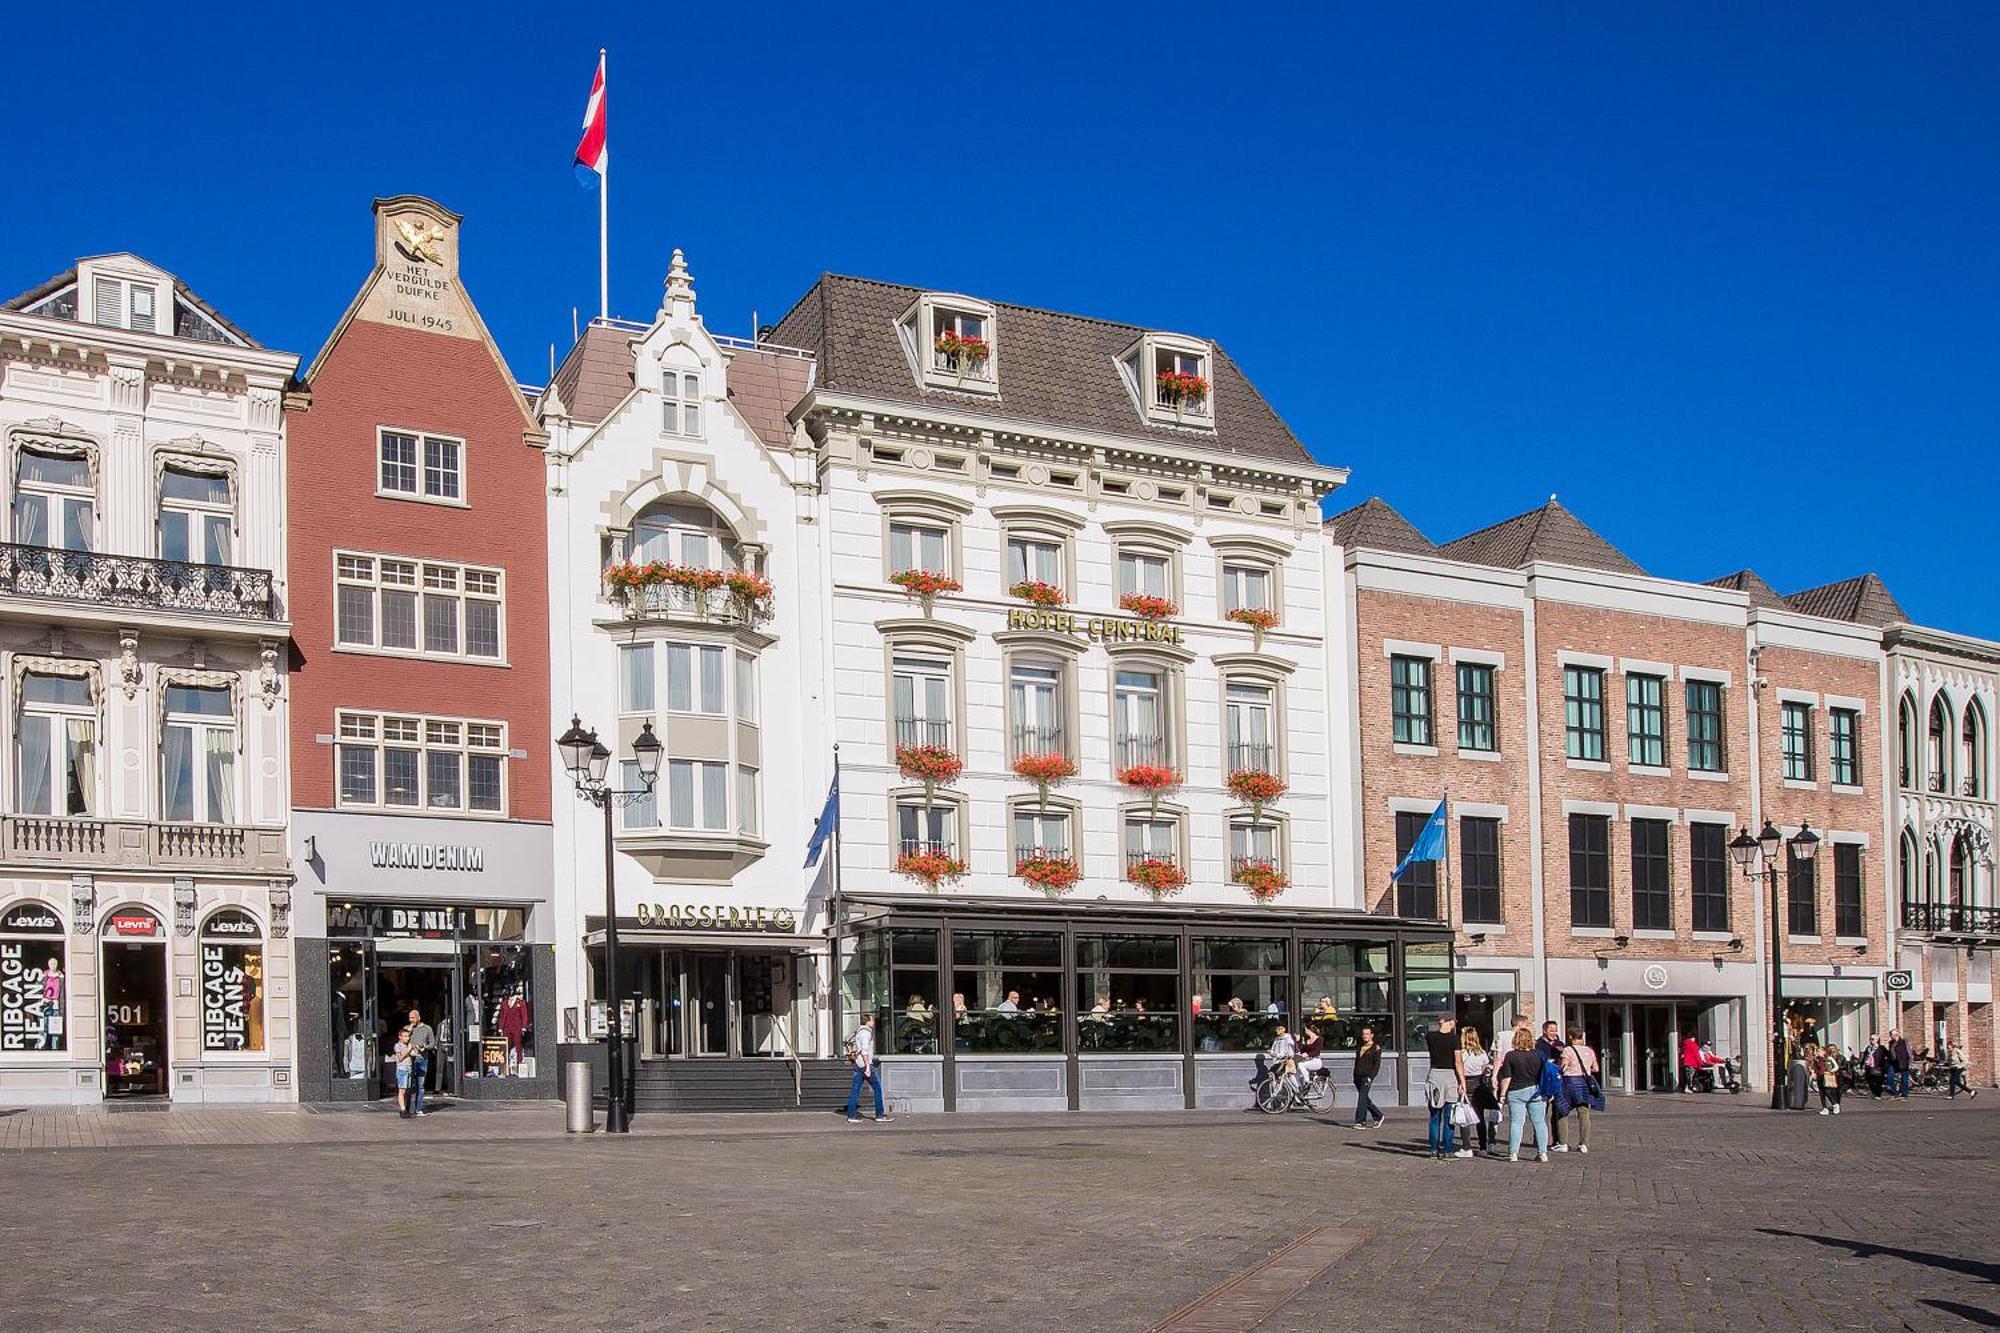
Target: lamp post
589,765
1761,854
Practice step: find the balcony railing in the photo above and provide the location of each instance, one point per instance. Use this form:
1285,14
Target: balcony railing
135,581
1133,858
926,847
1038,738
667,601
1253,756
62,841
1135,750
923,731
1951,919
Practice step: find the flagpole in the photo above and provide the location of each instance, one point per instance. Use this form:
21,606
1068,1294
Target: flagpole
604,201
1446,858
833,915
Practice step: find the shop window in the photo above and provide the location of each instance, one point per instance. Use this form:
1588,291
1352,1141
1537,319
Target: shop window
55,500
56,746
1416,891
1127,993
1009,982
34,980
198,756
1239,993
232,983
197,515
1347,985
499,1028
1479,869
1427,990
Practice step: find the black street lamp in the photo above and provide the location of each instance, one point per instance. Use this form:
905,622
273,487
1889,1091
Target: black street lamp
589,763
1753,855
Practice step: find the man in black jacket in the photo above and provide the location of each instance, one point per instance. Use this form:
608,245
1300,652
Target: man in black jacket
1901,1059
1367,1066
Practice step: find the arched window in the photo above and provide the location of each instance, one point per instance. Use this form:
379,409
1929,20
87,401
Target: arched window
1937,754
684,532
1972,751
1961,870
1906,867
232,982
1906,742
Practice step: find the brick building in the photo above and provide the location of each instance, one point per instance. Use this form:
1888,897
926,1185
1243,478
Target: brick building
420,728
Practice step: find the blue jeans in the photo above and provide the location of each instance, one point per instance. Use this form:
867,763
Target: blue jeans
1441,1133
872,1076
1899,1083
1365,1109
420,1069
1525,1105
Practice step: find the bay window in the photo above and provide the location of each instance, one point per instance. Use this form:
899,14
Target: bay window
697,794
695,678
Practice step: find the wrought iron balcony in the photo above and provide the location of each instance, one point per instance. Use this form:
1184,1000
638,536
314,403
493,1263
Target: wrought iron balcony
1253,757
923,731
1038,738
1951,919
103,579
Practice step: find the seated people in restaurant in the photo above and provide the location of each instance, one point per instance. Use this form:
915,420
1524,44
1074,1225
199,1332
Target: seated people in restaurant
1103,1005
917,1009
1235,1006
1325,1009
1196,1005
958,1004
1010,1005
1139,1005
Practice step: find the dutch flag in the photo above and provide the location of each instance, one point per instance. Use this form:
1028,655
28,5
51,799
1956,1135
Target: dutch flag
591,153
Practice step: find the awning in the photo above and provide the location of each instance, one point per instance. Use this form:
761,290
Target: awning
767,941
862,910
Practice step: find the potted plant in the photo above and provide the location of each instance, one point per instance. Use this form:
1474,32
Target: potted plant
932,765
1154,780
1255,787
930,867
1045,770
751,591
1036,593
1258,618
1263,878
925,585
1160,876
1181,389
1148,607
1052,873
961,353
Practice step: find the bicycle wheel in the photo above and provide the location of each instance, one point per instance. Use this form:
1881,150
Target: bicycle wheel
1273,1097
1319,1095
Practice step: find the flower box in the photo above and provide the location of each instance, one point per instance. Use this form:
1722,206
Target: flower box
1157,875
1036,593
1259,618
1180,388
1053,875
628,576
930,868
694,579
932,765
925,585
751,591
1148,607
1263,878
1045,770
1153,779
961,352
1255,787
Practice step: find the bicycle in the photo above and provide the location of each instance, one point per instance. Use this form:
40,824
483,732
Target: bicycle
1291,1090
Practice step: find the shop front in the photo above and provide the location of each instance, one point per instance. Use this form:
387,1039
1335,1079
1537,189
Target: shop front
453,930
1009,1006
1636,1014
1827,1008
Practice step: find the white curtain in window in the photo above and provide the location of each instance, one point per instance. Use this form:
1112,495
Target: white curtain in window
81,742
177,774
221,773
31,520
34,744
715,796
636,690
711,680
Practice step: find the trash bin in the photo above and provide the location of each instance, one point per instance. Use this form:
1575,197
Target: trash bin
579,1116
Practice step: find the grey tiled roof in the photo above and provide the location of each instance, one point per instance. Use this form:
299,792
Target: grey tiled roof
1550,533
183,296
596,374
1056,371
1864,599
764,387
1761,593
1376,526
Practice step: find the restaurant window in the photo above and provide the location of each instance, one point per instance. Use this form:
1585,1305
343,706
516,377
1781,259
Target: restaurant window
1801,895
1427,990
56,746
1010,984
1847,922
913,993
1416,891
1704,727
1652,891
1646,721
55,501
198,756
1708,876
34,979
1239,993
1476,728
1410,699
1479,869
1347,985
1035,700
864,983
232,982
1127,993
1139,716
1583,712
1795,721
1590,870
196,516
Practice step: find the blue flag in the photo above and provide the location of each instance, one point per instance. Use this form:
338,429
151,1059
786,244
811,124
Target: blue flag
828,825
1429,845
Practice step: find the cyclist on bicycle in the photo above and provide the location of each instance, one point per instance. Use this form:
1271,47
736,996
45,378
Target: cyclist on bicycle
1283,1058
1309,1050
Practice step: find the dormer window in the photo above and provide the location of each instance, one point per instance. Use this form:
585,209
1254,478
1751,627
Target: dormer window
1173,379
951,340
124,305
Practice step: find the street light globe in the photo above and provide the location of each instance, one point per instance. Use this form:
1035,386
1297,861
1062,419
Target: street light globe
600,760
1743,847
646,750
1767,843
574,746
1804,843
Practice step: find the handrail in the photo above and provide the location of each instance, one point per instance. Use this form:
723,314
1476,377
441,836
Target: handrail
778,1024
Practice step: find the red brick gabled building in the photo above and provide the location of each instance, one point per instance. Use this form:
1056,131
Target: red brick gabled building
421,749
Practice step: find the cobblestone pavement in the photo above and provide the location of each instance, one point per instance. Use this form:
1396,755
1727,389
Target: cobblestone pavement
1688,1214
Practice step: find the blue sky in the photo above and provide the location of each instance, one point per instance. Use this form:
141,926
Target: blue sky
1725,282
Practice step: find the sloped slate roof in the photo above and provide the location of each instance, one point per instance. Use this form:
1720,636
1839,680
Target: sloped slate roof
1748,581
1550,533
1374,525
183,295
764,387
1055,370
596,374
1864,600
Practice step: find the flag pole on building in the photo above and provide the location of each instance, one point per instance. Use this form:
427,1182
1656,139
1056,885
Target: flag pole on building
593,156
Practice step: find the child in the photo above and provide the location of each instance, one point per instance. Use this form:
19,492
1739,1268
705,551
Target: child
403,1072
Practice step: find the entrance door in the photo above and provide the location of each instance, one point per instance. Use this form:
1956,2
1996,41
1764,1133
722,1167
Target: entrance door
1653,1047
135,1004
709,980
1604,1028
431,989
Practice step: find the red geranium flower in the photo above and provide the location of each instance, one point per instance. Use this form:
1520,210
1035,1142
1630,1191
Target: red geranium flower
932,868
1263,878
1255,786
929,763
1157,875
1154,778
1148,607
1037,593
1045,770
1053,875
925,582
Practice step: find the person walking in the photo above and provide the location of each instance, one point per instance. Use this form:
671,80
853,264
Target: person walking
1367,1067
1901,1060
1444,1086
1690,1061
1801,1077
1954,1069
1478,1065
422,1042
866,1070
1582,1089
1549,1046
1519,1087
1826,1079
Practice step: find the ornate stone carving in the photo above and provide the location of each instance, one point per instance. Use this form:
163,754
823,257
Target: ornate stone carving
82,904
268,678
130,673
183,905
281,909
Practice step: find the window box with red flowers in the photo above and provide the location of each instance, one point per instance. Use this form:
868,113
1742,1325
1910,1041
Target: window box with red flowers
625,578
1036,593
1155,780
1258,618
1262,878
1045,770
930,867
751,591
1053,874
926,585
1160,876
1148,607
1181,390
933,765
1255,787
961,353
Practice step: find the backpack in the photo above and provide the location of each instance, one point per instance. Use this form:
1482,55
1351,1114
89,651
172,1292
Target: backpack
1552,1081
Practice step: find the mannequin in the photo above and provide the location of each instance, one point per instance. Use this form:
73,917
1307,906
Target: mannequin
53,982
514,1023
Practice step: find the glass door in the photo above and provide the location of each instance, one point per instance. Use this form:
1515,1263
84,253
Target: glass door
352,1010
1653,1041
709,981
430,988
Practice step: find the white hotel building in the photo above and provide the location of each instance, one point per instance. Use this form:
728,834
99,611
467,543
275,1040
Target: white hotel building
899,464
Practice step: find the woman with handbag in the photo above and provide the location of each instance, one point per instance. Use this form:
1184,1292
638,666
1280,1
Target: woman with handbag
1480,1102
1519,1086
1582,1088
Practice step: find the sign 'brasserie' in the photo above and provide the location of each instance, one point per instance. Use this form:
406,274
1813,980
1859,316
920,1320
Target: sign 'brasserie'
1097,629
713,916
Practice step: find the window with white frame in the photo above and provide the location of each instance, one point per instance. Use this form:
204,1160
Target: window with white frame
1032,557
376,607
746,688
1252,842
746,800
1174,378
951,339
197,516
421,467
1246,587
685,534
695,678
680,401
1040,833
926,827
1250,717
198,756
55,746
1035,700
442,765
635,678
1150,837
55,501
921,686
1795,734
122,304
697,794
1139,716
1147,572
919,546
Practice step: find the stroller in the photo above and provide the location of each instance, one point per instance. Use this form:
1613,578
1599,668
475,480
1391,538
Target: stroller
1718,1074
